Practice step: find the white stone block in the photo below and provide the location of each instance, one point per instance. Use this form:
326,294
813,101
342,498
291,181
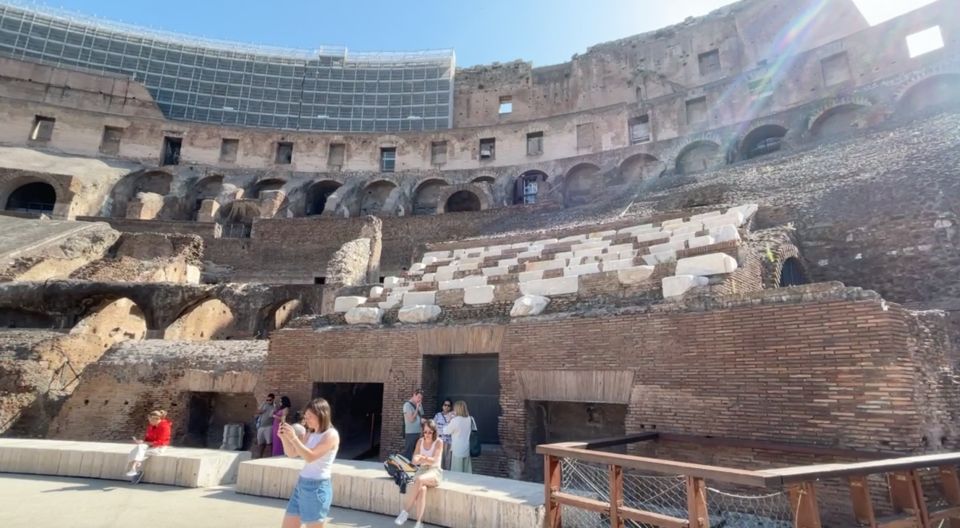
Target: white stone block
660,258
545,265
193,274
746,210
581,269
421,313
459,253
673,222
601,234
391,281
592,252
688,227
526,276
444,273
706,265
342,304
376,291
532,253
436,254
364,315
388,304
573,238
680,284
731,217
701,241
529,305
429,260
709,214
478,295
429,277
634,274
563,256
546,242
417,267
414,298
468,281
590,245
647,236
506,263
611,265
726,233
673,245
635,229
547,287
495,271
469,264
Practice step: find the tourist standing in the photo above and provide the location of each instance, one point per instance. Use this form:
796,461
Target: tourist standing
428,455
311,498
460,428
442,418
264,418
412,416
279,416
154,442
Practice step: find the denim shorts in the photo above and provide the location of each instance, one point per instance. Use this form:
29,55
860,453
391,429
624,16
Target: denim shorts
311,500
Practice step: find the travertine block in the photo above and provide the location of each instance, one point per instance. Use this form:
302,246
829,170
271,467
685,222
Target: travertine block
706,265
725,233
376,292
660,258
581,269
495,271
342,304
364,315
545,265
678,285
421,313
548,287
701,241
478,295
529,305
634,274
419,298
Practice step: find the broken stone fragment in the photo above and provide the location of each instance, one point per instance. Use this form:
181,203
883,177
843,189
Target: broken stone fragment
421,313
343,304
529,305
364,315
681,284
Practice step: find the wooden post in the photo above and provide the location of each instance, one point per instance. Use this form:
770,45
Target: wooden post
951,491
697,512
862,504
803,502
616,495
906,496
551,485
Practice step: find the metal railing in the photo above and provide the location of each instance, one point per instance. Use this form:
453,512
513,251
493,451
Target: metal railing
587,488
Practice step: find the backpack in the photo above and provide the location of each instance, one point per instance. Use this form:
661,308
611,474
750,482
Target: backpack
475,447
400,470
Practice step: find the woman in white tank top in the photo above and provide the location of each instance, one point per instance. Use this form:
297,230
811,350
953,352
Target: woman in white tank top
310,501
429,456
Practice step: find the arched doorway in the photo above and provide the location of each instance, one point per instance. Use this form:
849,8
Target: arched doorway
35,198
637,168
375,196
462,201
206,189
529,187
837,121
580,184
236,218
210,319
113,322
317,196
792,274
154,182
700,156
270,184
762,140
933,94
427,196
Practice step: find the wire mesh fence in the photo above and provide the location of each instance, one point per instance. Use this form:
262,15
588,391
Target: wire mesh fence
744,508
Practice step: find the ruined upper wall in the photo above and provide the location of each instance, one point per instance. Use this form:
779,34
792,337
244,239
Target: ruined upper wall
653,64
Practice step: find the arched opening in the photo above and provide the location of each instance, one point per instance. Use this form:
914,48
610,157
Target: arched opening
792,274
700,156
580,184
483,179
34,198
150,186
837,121
762,140
934,94
210,319
236,218
427,196
636,168
113,322
317,196
462,201
277,316
375,196
529,187
270,184
206,189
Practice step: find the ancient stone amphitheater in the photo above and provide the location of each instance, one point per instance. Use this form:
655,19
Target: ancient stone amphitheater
737,236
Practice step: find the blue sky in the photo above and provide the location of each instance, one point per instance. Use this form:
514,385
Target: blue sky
481,32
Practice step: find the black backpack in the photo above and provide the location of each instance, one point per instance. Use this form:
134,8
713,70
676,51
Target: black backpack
475,447
400,470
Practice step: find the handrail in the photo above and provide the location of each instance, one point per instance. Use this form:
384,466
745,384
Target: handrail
815,472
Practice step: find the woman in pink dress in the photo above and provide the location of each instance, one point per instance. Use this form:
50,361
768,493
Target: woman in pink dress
279,415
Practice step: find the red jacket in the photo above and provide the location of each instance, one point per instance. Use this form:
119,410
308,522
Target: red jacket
158,435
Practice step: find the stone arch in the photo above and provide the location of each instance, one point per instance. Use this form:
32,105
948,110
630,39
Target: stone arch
792,273
277,315
462,201
318,194
929,95
700,156
580,184
637,167
427,195
374,196
34,197
206,189
762,140
205,320
483,179
530,187
266,184
131,186
838,120
113,321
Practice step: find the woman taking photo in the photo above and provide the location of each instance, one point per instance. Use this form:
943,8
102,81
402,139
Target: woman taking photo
428,455
279,415
154,442
311,498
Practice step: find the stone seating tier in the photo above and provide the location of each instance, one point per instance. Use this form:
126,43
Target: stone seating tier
461,500
177,466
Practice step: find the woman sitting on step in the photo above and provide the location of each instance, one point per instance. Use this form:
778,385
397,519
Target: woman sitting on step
154,442
429,456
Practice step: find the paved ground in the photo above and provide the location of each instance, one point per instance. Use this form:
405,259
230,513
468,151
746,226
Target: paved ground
46,502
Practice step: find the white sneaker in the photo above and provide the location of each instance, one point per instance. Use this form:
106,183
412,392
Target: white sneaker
131,474
418,525
402,518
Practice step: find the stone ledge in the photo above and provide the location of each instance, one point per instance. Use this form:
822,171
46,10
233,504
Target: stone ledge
461,500
177,466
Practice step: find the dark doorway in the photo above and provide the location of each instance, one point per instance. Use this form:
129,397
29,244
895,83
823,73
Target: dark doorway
791,274
209,412
171,150
475,380
36,197
462,201
552,421
357,412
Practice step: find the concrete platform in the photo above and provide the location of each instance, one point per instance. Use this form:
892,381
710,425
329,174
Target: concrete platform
191,468
461,500
55,502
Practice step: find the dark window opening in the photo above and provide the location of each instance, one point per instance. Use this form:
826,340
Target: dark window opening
336,155
438,152
488,148
528,187
639,129
284,153
42,128
209,412
33,198
762,141
696,110
171,150
836,69
110,141
555,421
318,195
358,416
319,280
506,105
534,143
229,149
388,159
791,273
709,62
462,201
382,278
585,136
473,379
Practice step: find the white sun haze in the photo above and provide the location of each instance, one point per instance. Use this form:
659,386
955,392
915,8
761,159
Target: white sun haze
877,11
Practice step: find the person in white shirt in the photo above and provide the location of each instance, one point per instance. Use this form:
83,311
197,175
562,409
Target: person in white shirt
428,454
311,498
460,428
